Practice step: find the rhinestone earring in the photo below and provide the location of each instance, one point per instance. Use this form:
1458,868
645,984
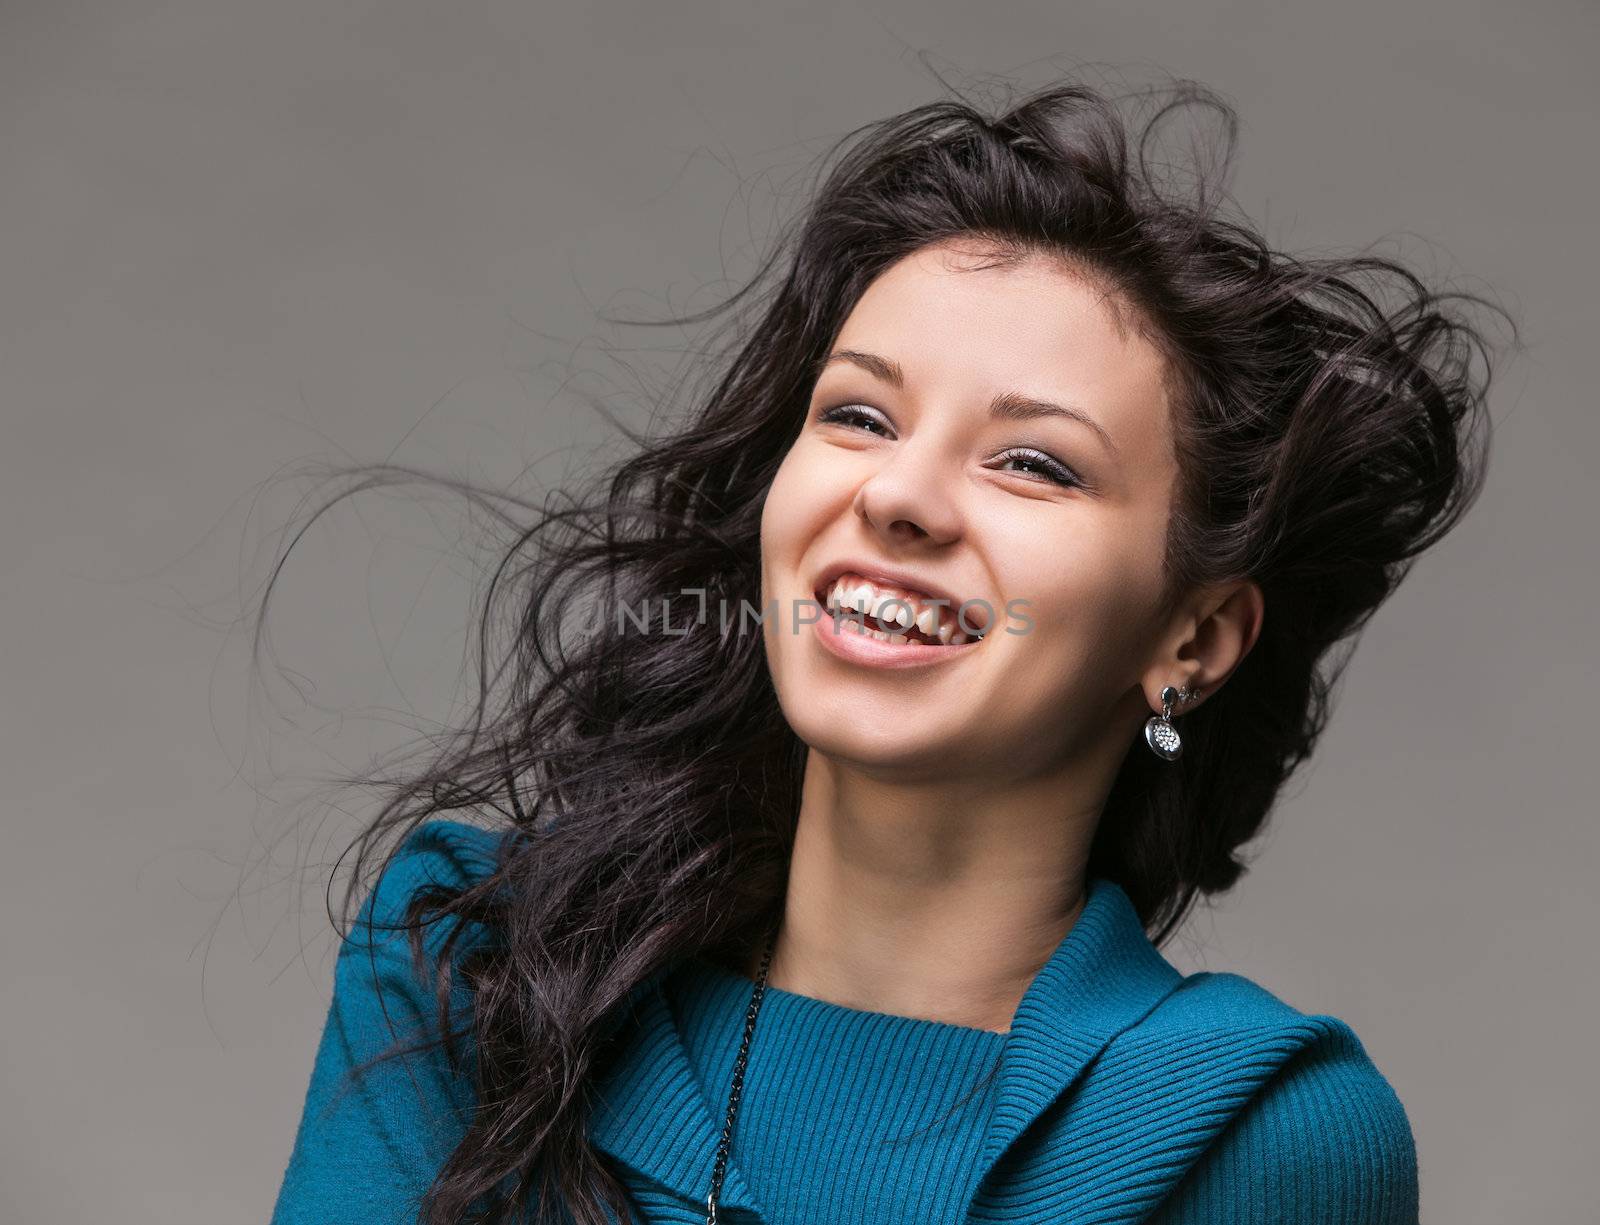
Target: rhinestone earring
1159,733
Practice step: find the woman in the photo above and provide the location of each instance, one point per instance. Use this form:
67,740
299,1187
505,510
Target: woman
851,754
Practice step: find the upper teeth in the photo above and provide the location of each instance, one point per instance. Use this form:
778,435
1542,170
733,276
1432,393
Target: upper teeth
935,620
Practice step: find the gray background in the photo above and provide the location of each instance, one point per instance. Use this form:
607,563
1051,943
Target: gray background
234,237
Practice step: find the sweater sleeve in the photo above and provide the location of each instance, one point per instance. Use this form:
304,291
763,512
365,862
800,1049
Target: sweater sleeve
1326,1141
368,1146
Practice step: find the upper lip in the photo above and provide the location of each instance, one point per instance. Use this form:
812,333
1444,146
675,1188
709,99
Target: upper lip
892,576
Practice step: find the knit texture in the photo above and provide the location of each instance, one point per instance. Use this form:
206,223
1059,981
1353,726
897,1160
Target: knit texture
1123,1092
918,1093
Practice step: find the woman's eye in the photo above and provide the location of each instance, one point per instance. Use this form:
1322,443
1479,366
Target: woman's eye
1027,459
851,414
1046,465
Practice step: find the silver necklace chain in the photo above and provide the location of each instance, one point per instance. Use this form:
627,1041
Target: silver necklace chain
720,1168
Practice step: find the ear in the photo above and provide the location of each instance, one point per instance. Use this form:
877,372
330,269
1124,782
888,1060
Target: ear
1208,638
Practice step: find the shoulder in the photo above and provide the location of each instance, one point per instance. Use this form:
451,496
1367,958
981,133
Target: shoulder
376,967
443,853
383,992
385,1104
1324,1069
1323,1129
437,852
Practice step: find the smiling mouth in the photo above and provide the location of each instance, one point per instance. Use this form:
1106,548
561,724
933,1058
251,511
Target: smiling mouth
895,615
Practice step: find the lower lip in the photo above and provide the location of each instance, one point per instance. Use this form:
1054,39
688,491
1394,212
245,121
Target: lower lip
847,641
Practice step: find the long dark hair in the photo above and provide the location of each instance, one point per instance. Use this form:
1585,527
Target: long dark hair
1330,426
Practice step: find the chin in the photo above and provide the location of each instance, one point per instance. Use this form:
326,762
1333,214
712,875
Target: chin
873,742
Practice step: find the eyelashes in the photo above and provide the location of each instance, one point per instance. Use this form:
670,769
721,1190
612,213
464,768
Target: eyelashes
847,413
1047,465
1052,468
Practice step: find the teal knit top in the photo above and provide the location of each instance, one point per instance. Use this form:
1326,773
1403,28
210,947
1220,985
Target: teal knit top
919,1095
1124,1092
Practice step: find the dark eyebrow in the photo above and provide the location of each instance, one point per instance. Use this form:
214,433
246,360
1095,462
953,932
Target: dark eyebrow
879,367
1007,406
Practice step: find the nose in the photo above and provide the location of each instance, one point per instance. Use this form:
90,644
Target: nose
911,497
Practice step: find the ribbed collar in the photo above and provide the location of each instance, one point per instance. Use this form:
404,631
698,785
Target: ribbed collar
1105,976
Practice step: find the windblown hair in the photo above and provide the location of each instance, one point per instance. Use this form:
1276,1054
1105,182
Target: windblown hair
1330,425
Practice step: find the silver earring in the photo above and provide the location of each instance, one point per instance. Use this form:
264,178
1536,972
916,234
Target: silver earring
1159,733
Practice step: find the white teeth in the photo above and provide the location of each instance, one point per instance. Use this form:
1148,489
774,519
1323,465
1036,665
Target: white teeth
890,609
895,609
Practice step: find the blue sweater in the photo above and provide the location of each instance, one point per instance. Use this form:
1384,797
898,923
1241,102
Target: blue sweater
1123,1092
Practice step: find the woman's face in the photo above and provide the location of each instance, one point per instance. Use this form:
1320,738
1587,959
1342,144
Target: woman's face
904,469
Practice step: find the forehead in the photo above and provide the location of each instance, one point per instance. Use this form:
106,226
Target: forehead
964,331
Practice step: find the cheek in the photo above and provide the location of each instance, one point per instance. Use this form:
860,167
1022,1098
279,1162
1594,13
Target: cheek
787,514
1056,682
1089,588
806,490
777,511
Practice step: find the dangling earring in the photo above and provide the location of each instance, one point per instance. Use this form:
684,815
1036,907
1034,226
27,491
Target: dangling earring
1159,733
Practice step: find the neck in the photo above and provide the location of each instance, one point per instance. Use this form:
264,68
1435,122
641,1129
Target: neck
939,902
